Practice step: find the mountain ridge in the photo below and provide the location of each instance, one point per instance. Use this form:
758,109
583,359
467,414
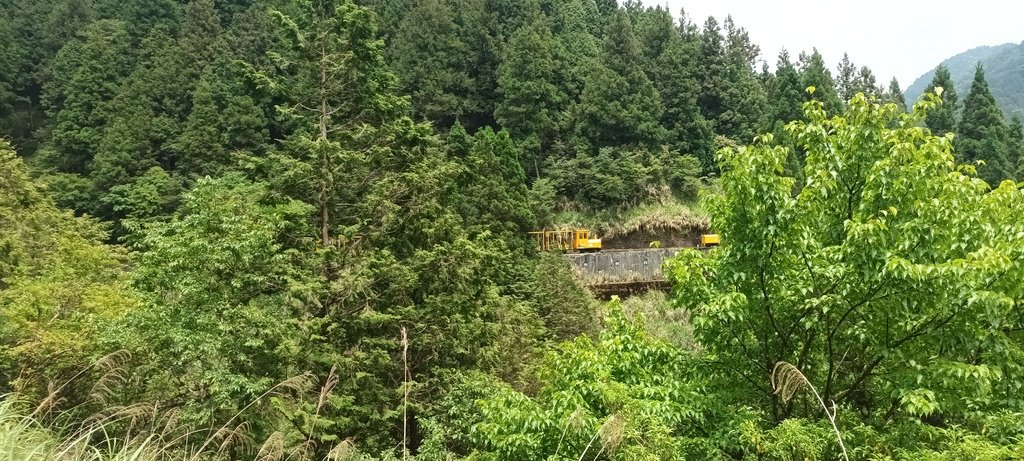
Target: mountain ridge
1004,70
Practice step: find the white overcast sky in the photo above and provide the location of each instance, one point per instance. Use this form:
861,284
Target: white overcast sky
901,38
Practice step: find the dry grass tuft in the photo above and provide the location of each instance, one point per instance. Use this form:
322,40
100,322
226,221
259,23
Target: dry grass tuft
787,380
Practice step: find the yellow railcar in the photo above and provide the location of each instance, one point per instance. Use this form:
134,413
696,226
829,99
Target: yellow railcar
710,240
567,240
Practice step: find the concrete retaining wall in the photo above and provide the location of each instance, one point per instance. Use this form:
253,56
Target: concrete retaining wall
622,266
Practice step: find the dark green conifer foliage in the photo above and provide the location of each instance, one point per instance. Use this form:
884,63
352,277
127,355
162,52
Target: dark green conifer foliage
942,120
224,123
786,92
743,99
895,95
866,83
1016,141
79,102
982,133
619,105
428,54
480,29
674,76
607,7
711,72
8,64
846,79
813,72
494,186
576,26
143,15
532,105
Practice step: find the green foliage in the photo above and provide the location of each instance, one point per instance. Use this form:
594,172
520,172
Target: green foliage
813,72
619,105
90,69
982,133
532,106
890,279
942,120
895,95
221,292
428,54
59,285
617,395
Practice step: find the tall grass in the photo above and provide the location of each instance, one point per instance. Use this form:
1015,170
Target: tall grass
23,438
662,215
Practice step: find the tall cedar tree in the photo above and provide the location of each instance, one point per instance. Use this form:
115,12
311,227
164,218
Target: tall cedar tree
576,27
1017,146
785,93
942,120
531,105
712,72
744,99
391,250
813,72
865,82
619,105
428,55
91,68
674,76
895,95
846,76
982,134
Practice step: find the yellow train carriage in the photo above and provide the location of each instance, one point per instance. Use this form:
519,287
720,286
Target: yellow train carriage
567,240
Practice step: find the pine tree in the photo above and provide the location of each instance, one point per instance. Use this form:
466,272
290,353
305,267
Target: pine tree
711,72
532,105
619,105
1016,133
846,77
8,63
576,46
786,93
942,119
744,100
982,134
895,95
428,56
813,72
223,124
674,76
93,67
866,83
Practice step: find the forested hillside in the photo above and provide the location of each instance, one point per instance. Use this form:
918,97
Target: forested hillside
297,229
1004,68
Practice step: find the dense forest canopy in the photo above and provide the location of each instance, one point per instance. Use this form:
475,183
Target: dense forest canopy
297,229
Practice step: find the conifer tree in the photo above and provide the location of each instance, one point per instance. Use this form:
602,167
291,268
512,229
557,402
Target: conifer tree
743,99
428,56
942,120
1016,141
711,71
785,93
532,104
619,105
674,76
813,72
576,26
895,95
8,62
865,82
846,77
982,134
93,68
